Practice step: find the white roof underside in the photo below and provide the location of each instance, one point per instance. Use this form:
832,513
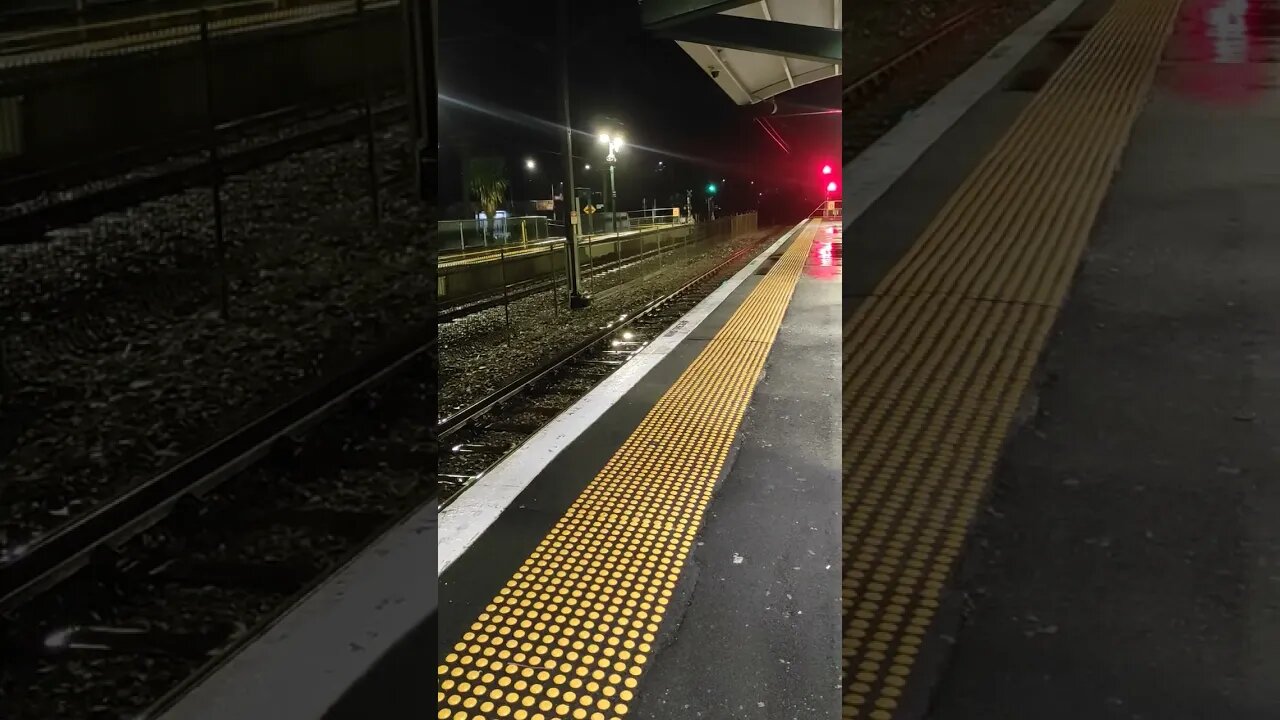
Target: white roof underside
749,77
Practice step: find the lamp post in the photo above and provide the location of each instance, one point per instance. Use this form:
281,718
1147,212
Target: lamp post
577,299
614,142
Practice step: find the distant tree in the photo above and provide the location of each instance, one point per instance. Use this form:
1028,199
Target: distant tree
488,185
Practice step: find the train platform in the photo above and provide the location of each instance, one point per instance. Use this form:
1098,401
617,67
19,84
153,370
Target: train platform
683,513
1060,380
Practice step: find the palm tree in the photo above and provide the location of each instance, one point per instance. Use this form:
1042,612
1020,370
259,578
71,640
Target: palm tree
488,185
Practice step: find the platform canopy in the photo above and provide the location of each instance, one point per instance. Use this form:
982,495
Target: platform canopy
753,49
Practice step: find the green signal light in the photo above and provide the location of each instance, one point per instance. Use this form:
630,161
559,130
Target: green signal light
711,189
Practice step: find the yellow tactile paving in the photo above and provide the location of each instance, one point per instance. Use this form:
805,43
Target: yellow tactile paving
936,361
479,257
570,633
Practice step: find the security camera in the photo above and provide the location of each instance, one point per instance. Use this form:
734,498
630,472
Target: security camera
715,72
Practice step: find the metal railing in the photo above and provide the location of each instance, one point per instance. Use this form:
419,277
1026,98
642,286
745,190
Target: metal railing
521,230
505,274
183,27
476,234
829,210
657,216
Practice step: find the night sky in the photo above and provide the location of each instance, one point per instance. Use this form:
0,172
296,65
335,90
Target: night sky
499,97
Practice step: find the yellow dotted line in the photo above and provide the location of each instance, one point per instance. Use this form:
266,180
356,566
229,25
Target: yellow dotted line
936,361
569,634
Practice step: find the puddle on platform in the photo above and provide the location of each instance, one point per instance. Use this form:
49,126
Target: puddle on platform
825,256
1226,52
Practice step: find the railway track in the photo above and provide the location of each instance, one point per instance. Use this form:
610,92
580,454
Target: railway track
29,220
196,561
880,75
478,436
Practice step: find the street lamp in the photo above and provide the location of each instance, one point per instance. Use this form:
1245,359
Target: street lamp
530,165
614,142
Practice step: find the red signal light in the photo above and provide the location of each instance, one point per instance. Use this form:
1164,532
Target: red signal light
831,186
826,169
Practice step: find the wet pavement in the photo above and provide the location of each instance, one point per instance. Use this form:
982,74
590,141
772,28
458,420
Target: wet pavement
760,599
1128,565
1226,52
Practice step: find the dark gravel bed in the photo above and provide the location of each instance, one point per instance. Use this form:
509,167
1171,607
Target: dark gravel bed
105,387
892,28
877,30
481,352
209,574
96,685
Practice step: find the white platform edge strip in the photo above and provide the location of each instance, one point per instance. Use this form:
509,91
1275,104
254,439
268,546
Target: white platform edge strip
876,169
471,514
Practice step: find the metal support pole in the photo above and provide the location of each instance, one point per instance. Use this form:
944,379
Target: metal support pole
215,167
613,214
576,298
421,62
506,299
371,159
555,280
613,199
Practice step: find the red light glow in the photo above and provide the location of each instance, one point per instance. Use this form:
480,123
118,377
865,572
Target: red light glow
826,169
831,186
825,255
